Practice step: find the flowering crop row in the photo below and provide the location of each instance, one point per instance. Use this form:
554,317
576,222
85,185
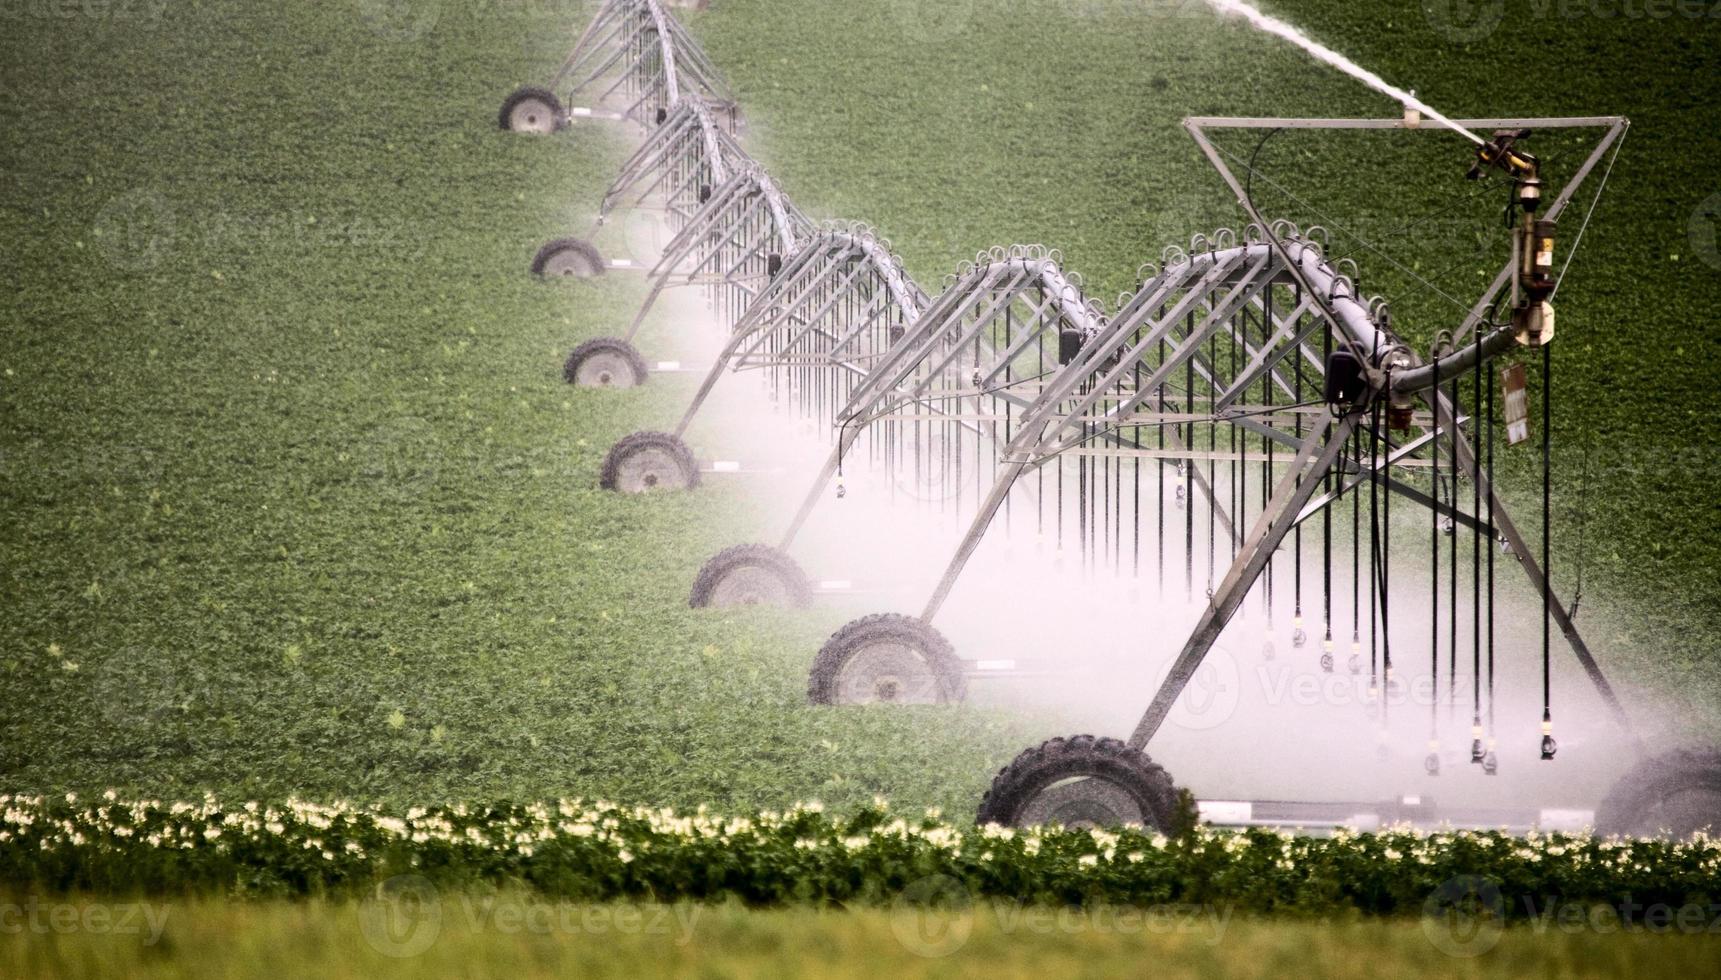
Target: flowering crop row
596,851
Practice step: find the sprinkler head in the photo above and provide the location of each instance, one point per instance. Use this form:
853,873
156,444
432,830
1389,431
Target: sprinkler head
1505,546
1490,764
1448,527
1180,498
975,377
1298,638
842,491
1326,663
1549,746
1268,649
1354,664
1431,762
1477,754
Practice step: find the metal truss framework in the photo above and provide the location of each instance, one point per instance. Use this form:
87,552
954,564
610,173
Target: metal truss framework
637,57
947,396
1233,339
734,245
822,323
677,168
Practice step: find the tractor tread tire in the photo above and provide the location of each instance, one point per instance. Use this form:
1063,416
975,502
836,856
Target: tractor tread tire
757,555
626,446
580,245
1081,755
604,345
525,92
941,656
1652,779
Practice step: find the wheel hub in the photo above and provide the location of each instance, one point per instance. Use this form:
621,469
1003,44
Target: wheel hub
604,369
650,469
750,585
532,116
888,673
569,263
1083,802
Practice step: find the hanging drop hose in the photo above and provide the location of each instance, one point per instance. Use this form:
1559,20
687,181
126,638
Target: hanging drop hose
1298,636
1354,664
1327,542
1549,746
1373,545
1477,754
1381,576
1450,527
1491,761
1432,762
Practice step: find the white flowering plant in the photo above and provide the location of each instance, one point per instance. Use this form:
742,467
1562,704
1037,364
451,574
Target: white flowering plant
599,850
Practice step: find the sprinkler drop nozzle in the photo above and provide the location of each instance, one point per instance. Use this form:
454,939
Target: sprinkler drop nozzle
842,491
1549,746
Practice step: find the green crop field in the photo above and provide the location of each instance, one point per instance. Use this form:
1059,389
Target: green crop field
295,502
515,935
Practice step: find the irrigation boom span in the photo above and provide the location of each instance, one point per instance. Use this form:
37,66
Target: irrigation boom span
1013,372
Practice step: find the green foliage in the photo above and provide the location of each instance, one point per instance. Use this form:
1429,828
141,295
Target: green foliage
600,851
292,498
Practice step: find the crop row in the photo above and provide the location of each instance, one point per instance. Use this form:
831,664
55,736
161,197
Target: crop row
600,851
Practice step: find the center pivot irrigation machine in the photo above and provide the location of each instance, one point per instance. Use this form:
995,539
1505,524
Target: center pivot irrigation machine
1244,401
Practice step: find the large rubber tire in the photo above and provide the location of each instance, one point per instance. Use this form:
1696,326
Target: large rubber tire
530,109
1081,781
605,362
1678,793
887,658
567,258
649,461
751,575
